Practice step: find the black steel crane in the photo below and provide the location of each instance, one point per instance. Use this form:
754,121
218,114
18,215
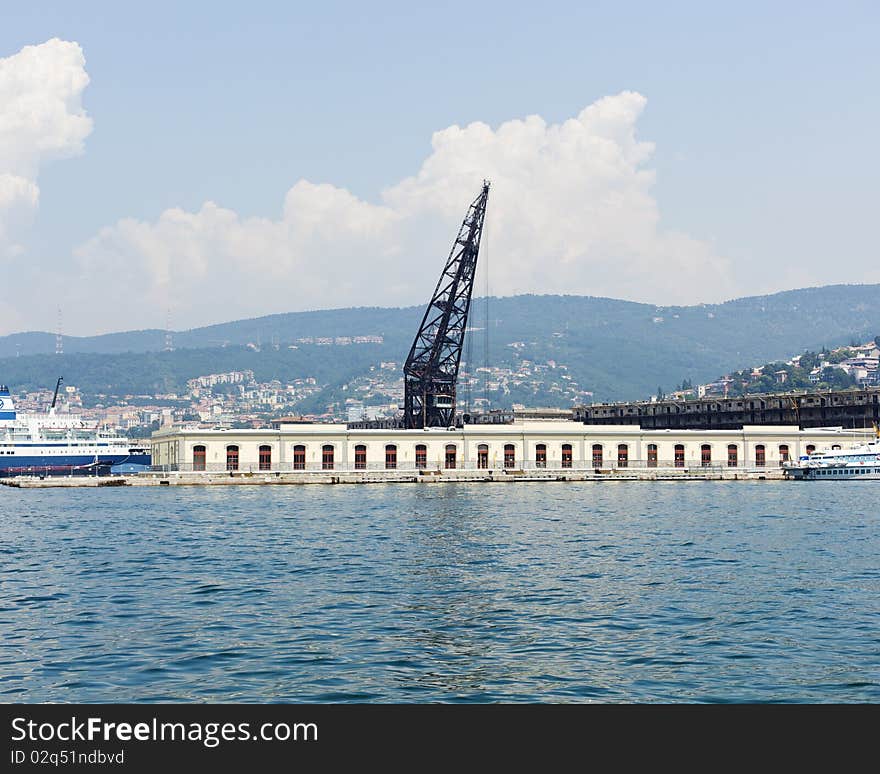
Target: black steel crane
57,387
431,370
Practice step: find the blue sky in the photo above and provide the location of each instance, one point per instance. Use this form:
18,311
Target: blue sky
763,118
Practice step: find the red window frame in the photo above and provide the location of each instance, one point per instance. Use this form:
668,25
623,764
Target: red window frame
541,455
732,455
200,455
566,455
679,455
760,456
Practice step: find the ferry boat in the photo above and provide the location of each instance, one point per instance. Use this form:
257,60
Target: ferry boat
860,462
62,444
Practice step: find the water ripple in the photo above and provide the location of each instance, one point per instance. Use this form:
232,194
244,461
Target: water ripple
448,593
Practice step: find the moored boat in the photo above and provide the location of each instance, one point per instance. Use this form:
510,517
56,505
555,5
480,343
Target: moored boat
61,444
860,462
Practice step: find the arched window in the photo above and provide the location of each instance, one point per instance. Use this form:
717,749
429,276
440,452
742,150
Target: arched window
652,455
566,455
760,456
705,455
509,455
360,457
679,455
622,455
541,455
783,453
231,458
597,455
421,455
327,457
199,458
483,456
810,448
265,457
299,457
732,455
390,457
450,456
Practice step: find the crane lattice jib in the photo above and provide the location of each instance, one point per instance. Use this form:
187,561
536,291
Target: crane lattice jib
431,370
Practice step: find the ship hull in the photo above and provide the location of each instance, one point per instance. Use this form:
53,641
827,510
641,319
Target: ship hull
69,464
842,473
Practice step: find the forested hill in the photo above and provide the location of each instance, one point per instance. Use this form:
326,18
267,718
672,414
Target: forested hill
617,349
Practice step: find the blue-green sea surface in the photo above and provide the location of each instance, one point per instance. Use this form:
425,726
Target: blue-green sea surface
527,592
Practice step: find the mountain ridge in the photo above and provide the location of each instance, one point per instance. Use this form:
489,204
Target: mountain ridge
616,349
153,339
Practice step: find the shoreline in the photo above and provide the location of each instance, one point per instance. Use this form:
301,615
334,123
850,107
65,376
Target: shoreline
248,478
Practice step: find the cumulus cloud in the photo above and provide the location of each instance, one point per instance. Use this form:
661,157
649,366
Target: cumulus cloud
41,119
571,211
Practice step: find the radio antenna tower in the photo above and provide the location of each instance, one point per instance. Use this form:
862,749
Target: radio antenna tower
169,339
59,337
431,369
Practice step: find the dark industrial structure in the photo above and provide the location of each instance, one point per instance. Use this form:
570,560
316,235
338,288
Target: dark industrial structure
857,408
431,369
431,375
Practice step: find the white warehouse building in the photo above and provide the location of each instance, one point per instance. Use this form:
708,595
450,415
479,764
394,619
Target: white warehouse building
522,445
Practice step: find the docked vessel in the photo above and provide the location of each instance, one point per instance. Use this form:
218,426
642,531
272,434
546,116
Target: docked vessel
859,462
61,444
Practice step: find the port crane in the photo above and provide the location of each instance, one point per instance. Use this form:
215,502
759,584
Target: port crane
55,396
431,369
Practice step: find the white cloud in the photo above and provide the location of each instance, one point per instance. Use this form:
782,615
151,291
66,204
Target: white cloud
571,211
41,119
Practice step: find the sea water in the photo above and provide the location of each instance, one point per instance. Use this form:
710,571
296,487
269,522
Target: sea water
526,592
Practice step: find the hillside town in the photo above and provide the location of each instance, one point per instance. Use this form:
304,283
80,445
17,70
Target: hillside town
855,365
238,399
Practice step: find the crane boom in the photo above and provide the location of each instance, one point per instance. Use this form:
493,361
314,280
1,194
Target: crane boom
431,369
57,387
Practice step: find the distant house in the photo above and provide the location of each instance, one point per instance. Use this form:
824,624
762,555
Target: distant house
721,387
869,350
862,369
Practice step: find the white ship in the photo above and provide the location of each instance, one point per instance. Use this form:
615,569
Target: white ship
860,462
61,444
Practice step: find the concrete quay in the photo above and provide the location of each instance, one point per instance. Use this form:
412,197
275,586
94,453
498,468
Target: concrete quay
394,477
